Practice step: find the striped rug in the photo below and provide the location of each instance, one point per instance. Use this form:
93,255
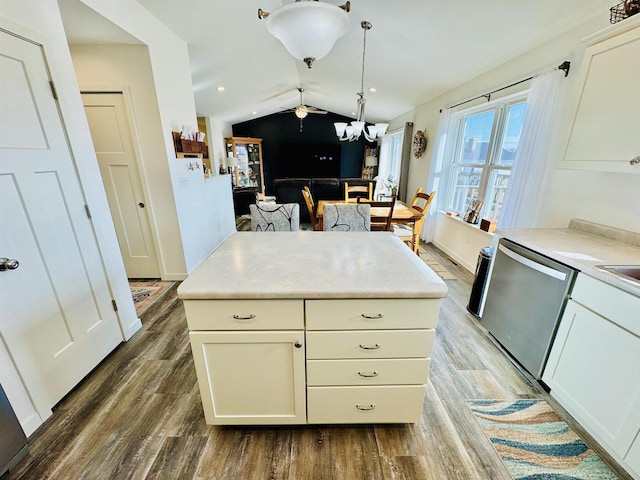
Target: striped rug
535,443
145,292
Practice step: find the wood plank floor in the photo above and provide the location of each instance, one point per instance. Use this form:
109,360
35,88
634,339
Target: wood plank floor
138,415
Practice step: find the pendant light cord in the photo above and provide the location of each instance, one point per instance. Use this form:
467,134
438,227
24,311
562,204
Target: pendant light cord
361,101
364,51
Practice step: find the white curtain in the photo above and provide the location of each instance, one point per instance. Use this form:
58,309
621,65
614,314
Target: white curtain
531,165
384,164
434,182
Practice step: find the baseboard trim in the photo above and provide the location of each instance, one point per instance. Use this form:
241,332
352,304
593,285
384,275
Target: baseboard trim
452,255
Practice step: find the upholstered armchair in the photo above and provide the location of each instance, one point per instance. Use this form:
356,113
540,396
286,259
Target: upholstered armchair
346,217
275,217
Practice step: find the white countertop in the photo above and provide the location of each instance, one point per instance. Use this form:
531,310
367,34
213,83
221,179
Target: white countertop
580,250
306,264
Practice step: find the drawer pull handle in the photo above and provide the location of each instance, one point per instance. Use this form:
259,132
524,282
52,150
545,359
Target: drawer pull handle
370,347
368,375
243,317
372,316
365,408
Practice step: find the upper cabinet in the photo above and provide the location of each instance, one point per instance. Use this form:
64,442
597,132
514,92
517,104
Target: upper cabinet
605,122
248,172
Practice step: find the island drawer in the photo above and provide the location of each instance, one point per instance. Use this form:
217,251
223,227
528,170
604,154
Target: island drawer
368,314
244,314
370,344
405,371
384,404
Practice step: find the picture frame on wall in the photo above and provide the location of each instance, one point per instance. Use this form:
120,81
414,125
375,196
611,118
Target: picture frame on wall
472,214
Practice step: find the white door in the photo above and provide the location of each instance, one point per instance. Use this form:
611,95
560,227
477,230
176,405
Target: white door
56,315
113,141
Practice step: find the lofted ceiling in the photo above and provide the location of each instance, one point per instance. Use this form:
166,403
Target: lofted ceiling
416,50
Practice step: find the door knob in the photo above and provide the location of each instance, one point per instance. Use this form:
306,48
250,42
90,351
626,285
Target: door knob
141,205
8,264
297,344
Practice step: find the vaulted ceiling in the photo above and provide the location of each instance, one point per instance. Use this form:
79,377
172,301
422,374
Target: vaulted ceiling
416,50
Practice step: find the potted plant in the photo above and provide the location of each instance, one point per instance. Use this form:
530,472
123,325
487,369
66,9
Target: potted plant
391,184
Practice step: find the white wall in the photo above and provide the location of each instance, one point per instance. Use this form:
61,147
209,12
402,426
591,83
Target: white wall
607,198
218,131
172,83
111,67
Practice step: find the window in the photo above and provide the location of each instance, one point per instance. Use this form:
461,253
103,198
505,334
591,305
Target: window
390,160
485,145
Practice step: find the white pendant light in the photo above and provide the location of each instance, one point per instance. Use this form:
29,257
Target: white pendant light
308,29
352,132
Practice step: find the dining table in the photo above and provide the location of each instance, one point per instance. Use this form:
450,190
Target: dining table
402,213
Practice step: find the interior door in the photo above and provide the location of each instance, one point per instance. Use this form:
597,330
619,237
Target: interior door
57,319
113,140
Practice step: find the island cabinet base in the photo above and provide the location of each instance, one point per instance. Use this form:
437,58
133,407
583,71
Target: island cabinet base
263,362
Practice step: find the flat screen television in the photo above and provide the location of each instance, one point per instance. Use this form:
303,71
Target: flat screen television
313,160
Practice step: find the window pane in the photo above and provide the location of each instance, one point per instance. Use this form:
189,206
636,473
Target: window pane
496,189
511,137
477,132
466,186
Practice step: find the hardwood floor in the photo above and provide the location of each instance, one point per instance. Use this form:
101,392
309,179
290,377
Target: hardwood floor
138,415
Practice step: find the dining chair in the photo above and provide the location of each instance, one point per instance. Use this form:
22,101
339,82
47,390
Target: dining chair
410,233
416,198
346,217
381,213
353,192
308,199
275,217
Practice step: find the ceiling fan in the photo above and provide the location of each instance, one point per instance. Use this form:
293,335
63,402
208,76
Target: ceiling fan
302,110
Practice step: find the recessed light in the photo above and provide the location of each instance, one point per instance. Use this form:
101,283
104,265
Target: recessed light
220,88
372,89
353,113
254,113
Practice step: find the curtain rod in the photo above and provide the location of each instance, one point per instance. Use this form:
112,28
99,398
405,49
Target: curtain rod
566,65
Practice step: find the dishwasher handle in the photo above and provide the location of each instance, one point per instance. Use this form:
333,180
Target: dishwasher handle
550,272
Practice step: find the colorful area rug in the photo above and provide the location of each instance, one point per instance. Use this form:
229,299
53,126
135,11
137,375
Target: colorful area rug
535,443
146,292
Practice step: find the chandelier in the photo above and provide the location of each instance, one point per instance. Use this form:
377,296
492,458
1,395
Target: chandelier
352,132
308,29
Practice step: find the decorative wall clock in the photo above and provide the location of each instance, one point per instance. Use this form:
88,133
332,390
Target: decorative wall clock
419,144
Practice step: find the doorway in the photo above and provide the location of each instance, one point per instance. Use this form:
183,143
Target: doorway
114,142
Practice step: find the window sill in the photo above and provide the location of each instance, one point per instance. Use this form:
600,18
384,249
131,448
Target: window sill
458,219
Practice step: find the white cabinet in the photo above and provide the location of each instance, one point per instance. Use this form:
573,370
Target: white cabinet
604,128
368,360
594,365
248,371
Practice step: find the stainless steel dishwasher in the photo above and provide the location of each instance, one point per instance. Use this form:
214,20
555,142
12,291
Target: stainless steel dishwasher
526,296
13,443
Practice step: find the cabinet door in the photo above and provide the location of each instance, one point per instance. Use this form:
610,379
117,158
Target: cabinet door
594,372
604,131
251,378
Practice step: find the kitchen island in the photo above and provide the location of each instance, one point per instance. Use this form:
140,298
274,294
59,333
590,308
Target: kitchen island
312,327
